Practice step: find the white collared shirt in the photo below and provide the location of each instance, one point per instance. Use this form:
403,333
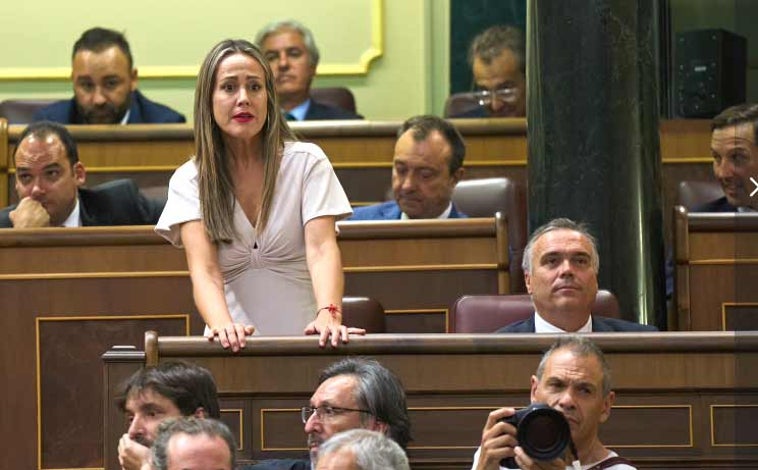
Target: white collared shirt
445,214
73,219
125,119
543,326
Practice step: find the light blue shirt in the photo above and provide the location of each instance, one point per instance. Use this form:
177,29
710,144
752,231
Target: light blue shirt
299,111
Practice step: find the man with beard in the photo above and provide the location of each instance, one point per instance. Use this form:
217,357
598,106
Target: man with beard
49,183
428,163
353,393
105,86
574,378
560,266
291,51
153,394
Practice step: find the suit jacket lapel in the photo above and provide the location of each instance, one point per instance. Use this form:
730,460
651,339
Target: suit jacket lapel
391,212
598,325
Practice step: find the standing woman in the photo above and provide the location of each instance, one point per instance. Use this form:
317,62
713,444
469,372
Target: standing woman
256,211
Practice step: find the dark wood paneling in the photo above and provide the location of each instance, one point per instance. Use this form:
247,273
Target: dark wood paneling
716,271
661,418
69,352
89,288
361,153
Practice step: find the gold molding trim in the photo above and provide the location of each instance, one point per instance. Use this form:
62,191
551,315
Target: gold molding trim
420,267
38,378
415,311
132,169
136,274
92,275
725,261
374,51
263,429
359,165
687,160
658,446
713,427
486,408
724,306
76,468
423,311
240,443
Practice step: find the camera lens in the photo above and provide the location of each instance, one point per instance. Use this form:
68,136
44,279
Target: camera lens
543,433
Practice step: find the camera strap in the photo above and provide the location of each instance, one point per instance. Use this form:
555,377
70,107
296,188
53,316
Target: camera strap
611,462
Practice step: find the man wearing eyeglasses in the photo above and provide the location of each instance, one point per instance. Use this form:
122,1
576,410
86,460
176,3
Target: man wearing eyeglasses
353,393
498,62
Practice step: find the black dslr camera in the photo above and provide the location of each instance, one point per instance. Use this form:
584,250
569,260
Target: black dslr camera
541,431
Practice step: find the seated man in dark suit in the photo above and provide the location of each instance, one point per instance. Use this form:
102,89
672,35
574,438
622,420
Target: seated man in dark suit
105,86
734,146
293,56
353,393
49,177
497,57
428,163
560,265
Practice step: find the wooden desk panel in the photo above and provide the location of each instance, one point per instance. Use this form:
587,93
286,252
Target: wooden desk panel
716,271
357,149
679,410
67,295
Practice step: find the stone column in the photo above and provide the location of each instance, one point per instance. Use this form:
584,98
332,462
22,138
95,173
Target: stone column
593,137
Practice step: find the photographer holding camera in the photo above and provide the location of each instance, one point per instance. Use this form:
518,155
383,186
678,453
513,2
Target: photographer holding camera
573,378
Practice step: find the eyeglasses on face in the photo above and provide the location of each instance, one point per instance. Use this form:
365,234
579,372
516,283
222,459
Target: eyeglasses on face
505,94
326,412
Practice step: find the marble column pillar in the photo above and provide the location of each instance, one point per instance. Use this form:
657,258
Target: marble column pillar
593,137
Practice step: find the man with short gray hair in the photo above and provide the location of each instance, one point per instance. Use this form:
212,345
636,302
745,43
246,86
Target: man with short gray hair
361,449
291,51
190,442
560,265
574,379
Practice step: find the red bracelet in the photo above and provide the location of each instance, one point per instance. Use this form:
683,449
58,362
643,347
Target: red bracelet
333,310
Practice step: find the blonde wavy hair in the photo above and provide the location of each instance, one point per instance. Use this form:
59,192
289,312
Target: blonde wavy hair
215,183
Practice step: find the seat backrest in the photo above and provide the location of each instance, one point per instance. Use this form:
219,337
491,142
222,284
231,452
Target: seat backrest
695,193
488,313
483,198
21,111
363,312
460,103
336,96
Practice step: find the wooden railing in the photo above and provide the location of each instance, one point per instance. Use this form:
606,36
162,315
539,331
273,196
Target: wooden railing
716,284
683,400
69,294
